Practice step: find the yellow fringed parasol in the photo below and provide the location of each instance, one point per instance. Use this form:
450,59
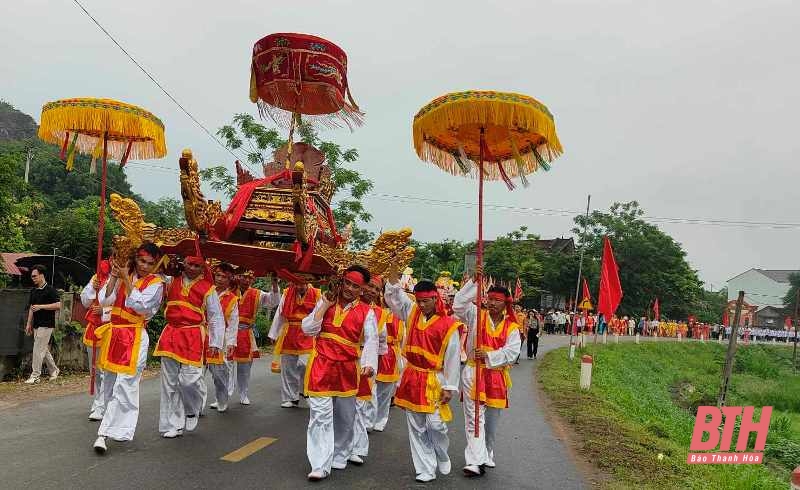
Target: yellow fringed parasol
79,125
491,135
102,128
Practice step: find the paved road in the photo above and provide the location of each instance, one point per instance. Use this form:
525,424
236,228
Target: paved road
48,444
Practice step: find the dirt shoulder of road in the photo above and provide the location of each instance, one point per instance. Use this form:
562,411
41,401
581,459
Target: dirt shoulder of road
574,442
16,393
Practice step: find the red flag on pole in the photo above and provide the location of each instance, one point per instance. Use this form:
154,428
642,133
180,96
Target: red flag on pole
518,290
610,288
725,319
787,323
656,310
586,296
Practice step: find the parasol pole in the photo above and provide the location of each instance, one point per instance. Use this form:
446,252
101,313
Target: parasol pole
573,330
479,279
101,229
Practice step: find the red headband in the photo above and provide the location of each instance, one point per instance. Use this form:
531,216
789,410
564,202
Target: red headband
195,260
499,296
355,276
144,253
376,280
426,294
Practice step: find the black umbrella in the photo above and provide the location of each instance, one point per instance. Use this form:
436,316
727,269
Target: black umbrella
68,271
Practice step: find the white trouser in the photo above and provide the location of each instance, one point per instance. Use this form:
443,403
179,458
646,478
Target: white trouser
293,371
41,352
121,392
480,450
427,436
98,406
181,394
383,394
360,426
221,374
243,378
329,438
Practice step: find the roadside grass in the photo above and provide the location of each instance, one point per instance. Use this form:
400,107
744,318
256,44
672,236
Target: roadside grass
643,402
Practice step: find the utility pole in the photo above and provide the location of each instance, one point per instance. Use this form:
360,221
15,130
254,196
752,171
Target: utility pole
726,373
28,163
580,271
796,327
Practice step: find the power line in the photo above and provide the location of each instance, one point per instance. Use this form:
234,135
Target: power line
570,212
97,23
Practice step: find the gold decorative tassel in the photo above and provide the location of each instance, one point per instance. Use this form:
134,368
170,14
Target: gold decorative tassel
96,153
520,163
71,153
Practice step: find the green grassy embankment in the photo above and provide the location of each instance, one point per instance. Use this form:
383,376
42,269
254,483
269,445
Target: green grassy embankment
643,401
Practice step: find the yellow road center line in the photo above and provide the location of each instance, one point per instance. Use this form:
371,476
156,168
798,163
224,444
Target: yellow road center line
248,449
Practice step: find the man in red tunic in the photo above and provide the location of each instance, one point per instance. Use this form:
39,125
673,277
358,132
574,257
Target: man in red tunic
96,316
389,367
250,301
220,363
365,398
492,344
193,311
430,377
134,293
339,322
291,344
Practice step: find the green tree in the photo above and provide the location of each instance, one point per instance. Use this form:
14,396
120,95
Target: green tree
73,231
259,143
709,307
167,212
651,263
513,256
17,208
430,259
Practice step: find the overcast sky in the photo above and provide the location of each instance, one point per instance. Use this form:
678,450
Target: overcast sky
689,107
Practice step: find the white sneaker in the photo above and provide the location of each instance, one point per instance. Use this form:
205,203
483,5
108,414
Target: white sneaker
95,417
214,405
472,470
287,405
490,464
31,380
339,466
356,460
191,423
424,478
317,475
222,408
55,374
100,445
444,467
244,400
172,434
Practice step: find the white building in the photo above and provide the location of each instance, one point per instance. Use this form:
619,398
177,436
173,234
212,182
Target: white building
764,290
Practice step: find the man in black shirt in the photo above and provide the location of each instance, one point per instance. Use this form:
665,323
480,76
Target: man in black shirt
42,307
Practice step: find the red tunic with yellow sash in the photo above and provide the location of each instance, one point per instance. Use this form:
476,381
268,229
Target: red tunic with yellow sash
365,383
246,347
425,347
183,337
93,320
494,382
388,364
333,366
292,340
227,300
121,338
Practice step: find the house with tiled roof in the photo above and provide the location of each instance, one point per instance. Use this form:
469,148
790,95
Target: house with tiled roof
764,289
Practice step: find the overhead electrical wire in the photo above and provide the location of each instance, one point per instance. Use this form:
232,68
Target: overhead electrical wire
158,84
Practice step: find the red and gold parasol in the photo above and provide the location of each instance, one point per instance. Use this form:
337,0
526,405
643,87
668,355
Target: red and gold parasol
102,128
293,74
488,135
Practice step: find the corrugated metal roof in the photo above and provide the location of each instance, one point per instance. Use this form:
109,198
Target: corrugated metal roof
778,275
8,262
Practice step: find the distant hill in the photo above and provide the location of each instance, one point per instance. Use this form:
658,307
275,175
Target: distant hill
14,124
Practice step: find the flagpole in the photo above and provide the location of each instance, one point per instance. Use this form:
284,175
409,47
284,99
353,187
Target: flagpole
580,270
